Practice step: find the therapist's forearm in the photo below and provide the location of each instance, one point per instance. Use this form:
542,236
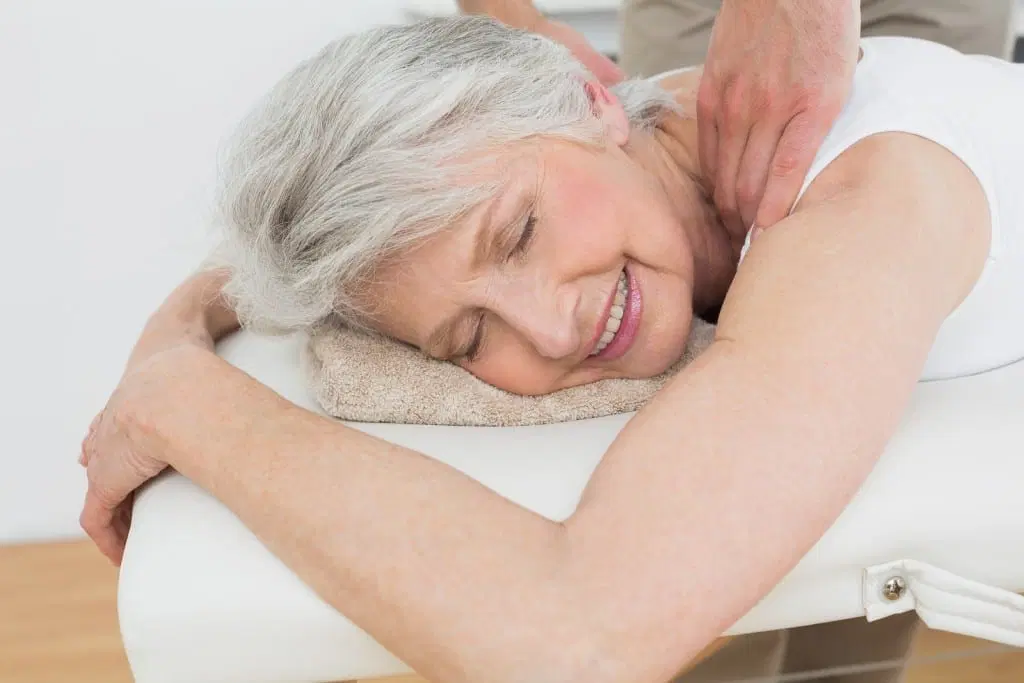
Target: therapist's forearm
460,583
195,312
516,13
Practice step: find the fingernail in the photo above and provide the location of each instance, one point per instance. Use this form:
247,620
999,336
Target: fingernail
755,232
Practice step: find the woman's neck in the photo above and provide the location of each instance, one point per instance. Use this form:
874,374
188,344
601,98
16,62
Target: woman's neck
671,153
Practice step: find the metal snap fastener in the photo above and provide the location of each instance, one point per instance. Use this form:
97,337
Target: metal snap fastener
894,588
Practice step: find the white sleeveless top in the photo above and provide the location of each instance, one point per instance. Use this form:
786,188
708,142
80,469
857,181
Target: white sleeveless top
974,107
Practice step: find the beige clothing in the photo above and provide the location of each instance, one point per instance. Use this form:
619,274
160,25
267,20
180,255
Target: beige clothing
660,35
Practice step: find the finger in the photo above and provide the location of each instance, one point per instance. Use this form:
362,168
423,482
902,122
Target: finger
121,524
83,456
707,129
96,520
753,170
87,447
734,128
794,154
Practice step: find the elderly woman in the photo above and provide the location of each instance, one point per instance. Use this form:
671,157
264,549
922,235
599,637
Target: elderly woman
468,189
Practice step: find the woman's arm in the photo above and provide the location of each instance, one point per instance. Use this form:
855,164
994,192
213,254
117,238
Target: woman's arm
705,500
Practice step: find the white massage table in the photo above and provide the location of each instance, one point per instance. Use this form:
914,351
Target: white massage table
938,527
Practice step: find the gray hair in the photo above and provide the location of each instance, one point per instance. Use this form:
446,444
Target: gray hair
352,156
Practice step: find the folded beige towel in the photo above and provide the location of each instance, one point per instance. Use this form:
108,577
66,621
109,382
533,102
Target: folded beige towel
365,378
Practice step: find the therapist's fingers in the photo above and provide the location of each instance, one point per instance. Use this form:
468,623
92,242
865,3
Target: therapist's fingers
733,123
752,176
707,129
793,156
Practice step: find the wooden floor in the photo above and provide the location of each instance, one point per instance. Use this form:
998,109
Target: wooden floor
58,619
58,624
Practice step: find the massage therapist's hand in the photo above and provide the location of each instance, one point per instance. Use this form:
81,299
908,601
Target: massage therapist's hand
123,449
777,74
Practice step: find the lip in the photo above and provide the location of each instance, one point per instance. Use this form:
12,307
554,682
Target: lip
628,328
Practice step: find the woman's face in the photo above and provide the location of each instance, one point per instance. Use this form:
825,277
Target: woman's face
579,270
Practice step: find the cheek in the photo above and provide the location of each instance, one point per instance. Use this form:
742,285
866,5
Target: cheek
511,365
590,212
515,369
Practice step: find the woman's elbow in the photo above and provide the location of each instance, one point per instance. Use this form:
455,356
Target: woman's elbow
587,647
599,657
567,654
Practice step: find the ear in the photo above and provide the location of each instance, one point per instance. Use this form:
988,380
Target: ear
609,111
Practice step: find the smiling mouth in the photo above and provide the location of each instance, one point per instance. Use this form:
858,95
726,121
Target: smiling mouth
614,321
622,319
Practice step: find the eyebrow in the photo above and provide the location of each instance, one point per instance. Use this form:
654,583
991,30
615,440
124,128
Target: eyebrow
486,240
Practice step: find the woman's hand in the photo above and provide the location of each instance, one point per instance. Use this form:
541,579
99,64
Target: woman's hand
118,457
123,449
778,73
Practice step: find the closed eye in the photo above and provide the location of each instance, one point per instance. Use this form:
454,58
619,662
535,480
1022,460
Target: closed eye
473,351
525,237
520,248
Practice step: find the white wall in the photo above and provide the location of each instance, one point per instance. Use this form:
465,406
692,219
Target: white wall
110,114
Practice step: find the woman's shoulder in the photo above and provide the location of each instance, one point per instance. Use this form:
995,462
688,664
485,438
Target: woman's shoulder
895,167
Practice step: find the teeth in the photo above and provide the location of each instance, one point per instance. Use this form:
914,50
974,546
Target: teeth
615,317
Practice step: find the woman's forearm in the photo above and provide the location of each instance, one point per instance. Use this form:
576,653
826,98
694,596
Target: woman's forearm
460,583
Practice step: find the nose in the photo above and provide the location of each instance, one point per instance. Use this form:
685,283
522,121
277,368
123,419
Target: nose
545,315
